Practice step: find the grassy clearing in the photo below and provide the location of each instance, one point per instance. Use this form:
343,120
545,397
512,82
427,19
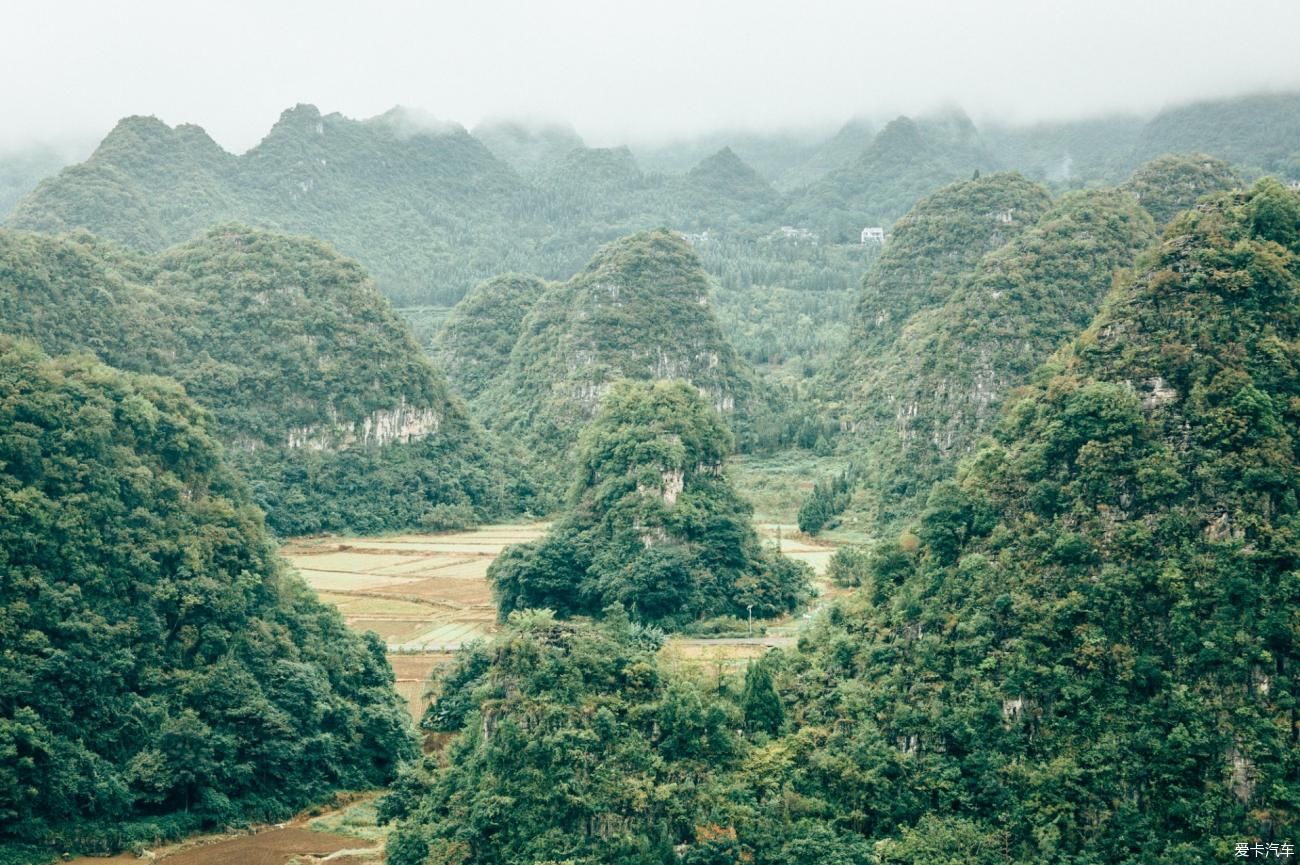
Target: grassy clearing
778,484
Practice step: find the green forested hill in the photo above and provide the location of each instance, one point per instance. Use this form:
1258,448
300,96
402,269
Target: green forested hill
723,189
652,523
161,670
22,168
932,249
420,204
1170,184
923,401
317,389
1084,652
907,159
639,310
1069,154
1092,655
841,150
474,344
1260,132
527,147
601,756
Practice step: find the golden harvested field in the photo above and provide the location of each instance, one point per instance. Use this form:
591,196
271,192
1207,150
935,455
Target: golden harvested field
412,672
424,595
418,592
427,595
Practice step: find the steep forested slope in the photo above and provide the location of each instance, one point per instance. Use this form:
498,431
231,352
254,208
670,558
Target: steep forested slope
1170,184
601,755
932,249
639,310
652,523
474,344
419,203
22,168
841,150
160,670
317,389
1259,132
1092,655
1069,153
908,159
527,147
925,399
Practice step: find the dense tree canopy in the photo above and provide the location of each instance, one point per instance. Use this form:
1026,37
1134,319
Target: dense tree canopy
920,403
1169,184
639,310
317,389
1091,656
652,523
160,671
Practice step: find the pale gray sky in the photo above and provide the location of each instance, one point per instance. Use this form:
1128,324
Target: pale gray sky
624,70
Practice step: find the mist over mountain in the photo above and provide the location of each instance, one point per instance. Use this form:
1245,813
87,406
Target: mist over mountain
822,434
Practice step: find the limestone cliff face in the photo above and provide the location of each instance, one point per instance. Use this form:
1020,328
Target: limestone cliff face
400,425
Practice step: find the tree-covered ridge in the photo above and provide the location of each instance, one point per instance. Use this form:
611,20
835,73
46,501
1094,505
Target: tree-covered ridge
931,249
527,147
399,192
1170,184
906,160
1071,154
572,745
1092,655
724,185
162,671
317,389
652,523
1257,132
924,401
841,150
639,310
474,343
21,169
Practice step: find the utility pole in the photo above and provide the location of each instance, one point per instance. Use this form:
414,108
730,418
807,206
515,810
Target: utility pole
750,608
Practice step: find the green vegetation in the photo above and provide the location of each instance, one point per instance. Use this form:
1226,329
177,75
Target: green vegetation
1258,133
937,244
640,310
162,671
1091,654
907,160
1168,185
652,523
828,500
570,746
317,390
1070,154
474,344
527,148
22,169
920,403
1084,652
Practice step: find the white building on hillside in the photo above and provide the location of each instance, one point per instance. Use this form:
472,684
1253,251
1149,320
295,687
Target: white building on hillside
873,234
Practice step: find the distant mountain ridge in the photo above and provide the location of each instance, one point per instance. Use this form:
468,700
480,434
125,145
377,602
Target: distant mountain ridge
432,210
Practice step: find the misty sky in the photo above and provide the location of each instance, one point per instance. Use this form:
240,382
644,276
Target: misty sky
624,70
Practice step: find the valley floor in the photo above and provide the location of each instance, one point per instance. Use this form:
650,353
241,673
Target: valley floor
426,595
346,835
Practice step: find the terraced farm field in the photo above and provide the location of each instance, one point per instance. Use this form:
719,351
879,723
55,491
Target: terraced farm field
424,595
420,593
427,595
